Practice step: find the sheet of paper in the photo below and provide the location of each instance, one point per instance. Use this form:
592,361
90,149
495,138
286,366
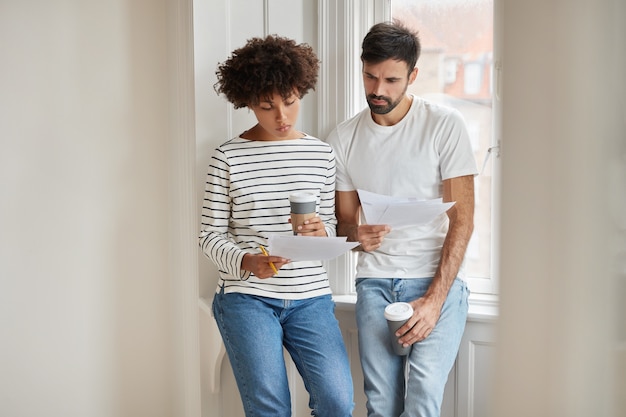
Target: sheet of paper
308,248
400,211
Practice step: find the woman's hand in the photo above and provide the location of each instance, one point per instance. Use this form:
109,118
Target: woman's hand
312,227
259,264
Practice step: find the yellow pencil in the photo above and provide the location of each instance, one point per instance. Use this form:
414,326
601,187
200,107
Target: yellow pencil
271,263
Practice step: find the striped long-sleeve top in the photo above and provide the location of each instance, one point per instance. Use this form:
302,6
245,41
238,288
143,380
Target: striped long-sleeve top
247,199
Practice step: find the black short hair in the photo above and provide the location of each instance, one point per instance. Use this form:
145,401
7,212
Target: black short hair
391,40
265,66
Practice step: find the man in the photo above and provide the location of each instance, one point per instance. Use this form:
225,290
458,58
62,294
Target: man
404,146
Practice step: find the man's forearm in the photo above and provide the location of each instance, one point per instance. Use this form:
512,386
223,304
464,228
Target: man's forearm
460,228
350,230
452,254
351,233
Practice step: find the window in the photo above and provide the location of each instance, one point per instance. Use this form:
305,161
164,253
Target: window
458,67
455,68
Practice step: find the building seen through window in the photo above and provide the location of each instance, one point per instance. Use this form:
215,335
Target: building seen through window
456,69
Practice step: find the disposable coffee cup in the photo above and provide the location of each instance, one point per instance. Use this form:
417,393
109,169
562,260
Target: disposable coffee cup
302,208
397,314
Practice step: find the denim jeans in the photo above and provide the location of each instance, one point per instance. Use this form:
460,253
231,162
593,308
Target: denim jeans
394,387
255,329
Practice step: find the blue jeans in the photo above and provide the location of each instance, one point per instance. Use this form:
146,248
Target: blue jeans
255,329
394,387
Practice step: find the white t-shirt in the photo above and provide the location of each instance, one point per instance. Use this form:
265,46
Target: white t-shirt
408,159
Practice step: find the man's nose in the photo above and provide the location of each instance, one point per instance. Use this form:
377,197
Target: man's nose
378,89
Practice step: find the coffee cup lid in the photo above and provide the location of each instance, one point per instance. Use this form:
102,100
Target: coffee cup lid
398,311
302,197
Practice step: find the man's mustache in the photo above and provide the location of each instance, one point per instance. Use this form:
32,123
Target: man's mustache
374,97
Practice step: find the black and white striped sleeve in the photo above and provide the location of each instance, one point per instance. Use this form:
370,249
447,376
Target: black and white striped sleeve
216,212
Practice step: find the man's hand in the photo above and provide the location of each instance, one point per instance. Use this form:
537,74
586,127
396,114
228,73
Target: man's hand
371,236
426,312
347,206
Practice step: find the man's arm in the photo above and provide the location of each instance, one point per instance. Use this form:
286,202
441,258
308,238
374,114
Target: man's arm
461,215
347,205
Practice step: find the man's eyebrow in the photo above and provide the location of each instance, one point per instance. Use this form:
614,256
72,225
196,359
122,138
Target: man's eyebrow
391,78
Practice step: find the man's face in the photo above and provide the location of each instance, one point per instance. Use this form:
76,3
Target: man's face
385,84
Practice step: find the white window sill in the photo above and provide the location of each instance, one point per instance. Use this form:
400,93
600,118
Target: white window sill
482,307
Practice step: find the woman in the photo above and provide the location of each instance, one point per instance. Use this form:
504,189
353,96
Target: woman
264,303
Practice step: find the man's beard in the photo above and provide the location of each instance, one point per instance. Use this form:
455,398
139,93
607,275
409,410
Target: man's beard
376,109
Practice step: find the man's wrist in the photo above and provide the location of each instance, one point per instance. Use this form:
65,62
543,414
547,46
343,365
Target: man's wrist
353,233
349,231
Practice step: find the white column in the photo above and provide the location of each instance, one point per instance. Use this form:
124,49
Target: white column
563,165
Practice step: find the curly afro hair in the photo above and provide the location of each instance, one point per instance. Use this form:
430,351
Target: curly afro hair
265,66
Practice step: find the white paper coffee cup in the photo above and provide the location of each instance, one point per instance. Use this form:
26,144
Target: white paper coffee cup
303,206
397,314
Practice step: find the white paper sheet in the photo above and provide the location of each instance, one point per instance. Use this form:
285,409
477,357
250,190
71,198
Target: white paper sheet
308,248
396,211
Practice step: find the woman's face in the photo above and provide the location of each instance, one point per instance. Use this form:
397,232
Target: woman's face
277,117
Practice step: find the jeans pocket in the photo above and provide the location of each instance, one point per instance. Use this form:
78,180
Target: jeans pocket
216,306
465,293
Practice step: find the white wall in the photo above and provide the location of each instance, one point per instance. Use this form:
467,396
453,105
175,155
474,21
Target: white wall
88,320
563,202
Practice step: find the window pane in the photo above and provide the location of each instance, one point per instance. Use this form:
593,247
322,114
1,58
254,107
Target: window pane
455,68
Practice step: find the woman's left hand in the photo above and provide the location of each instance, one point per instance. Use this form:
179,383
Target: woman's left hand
312,227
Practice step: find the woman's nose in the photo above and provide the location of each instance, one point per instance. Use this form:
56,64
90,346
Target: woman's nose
280,113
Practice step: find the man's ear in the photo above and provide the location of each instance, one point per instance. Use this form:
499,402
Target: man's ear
413,75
